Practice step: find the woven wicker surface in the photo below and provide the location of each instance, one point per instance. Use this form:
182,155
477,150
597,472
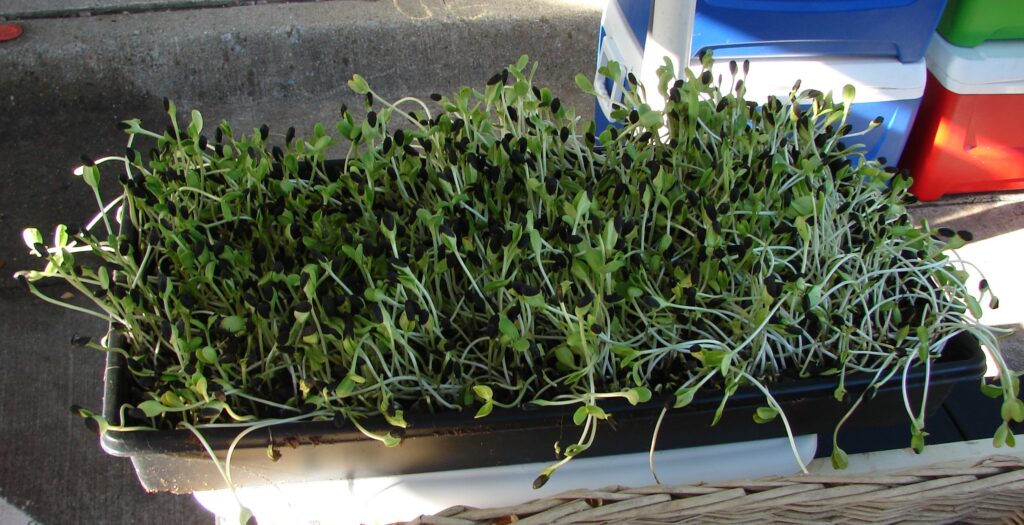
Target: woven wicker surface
990,491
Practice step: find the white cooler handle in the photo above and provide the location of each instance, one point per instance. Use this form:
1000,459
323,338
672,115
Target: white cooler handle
609,52
670,35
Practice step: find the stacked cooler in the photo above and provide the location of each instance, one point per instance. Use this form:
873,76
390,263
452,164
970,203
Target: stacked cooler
970,133
876,45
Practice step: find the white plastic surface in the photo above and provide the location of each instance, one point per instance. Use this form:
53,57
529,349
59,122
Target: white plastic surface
619,45
876,79
670,33
388,499
670,37
993,68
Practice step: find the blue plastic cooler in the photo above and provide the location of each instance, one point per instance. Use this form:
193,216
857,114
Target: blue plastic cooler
791,28
886,87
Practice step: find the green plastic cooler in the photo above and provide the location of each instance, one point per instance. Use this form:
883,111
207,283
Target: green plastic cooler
968,23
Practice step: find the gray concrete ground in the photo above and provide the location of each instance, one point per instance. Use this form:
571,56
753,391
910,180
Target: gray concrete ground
29,9
51,466
70,78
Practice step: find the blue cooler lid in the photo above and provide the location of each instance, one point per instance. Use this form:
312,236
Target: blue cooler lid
894,28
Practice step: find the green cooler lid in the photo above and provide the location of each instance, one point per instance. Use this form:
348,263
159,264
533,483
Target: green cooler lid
968,23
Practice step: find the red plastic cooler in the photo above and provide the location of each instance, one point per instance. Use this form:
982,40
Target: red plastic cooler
969,134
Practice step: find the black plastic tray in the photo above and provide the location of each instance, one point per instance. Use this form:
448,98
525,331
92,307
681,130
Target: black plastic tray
175,461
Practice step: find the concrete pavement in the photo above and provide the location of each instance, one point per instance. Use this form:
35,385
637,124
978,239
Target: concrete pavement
30,9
